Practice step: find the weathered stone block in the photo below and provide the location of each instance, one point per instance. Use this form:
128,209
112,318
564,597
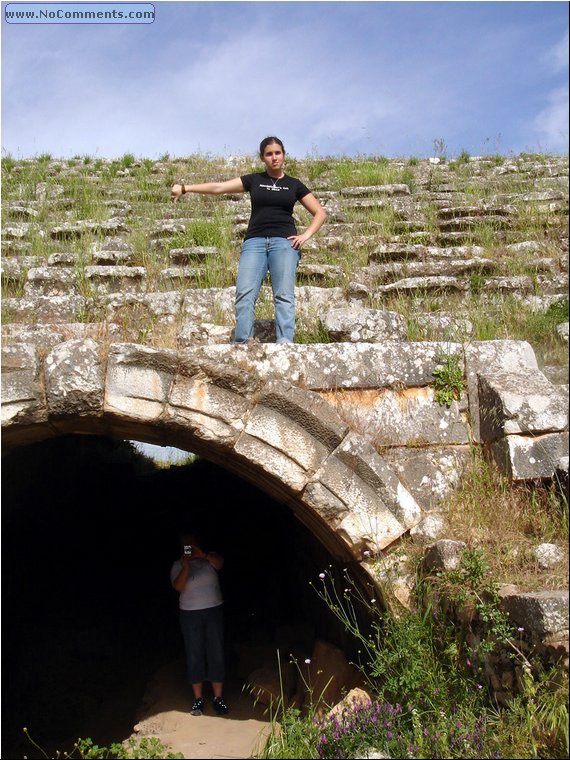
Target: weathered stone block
74,379
182,256
50,281
362,325
107,279
23,395
488,357
542,614
311,301
428,529
522,402
548,555
211,412
529,458
429,473
208,303
440,283
378,508
138,381
202,333
445,554
407,417
46,308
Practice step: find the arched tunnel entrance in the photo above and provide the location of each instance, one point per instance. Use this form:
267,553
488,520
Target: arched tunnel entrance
90,529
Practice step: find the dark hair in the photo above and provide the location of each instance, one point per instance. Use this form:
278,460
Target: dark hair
269,141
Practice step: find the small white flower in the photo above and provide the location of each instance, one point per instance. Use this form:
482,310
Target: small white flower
520,630
366,553
307,661
322,576
373,601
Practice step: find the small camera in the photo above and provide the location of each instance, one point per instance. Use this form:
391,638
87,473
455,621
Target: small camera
188,550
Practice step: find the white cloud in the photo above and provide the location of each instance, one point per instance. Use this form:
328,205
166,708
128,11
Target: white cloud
551,124
556,59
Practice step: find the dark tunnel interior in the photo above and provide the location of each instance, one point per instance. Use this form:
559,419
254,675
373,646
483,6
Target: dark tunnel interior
89,532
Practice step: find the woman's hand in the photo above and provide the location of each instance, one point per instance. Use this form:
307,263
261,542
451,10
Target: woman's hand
176,191
298,240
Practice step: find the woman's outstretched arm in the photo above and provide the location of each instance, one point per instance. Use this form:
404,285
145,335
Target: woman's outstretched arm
209,188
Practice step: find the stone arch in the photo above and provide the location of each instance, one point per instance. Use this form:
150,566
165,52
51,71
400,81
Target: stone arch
282,438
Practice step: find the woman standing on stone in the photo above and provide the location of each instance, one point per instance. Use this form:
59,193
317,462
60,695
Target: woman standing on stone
272,243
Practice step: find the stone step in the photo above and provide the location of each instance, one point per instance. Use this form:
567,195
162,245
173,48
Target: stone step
459,212
475,223
53,281
417,252
380,274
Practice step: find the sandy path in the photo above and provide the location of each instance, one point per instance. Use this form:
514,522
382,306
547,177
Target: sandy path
166,714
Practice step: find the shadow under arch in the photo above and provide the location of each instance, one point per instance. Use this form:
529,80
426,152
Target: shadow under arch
56,543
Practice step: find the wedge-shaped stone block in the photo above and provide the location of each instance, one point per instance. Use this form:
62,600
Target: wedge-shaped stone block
23,396
542,614
373,508
522,402
279,432
529,458
288,434
272,465
213,413
138,381
306,410
74,379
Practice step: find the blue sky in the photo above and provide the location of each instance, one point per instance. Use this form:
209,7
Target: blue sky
329,78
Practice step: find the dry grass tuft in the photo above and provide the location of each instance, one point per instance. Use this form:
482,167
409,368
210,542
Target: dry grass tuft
508,521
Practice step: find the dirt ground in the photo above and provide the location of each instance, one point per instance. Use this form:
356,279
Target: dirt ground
165,714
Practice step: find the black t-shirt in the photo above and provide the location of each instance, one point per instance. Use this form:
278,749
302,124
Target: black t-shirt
272,204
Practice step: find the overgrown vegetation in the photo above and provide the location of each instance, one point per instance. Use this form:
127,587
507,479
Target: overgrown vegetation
429,698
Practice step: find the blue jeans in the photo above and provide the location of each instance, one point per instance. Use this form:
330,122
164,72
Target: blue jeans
260,255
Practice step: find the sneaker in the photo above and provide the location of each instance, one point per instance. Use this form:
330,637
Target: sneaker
220,706
197,706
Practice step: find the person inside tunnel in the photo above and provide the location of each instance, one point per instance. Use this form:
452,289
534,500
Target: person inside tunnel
195,576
